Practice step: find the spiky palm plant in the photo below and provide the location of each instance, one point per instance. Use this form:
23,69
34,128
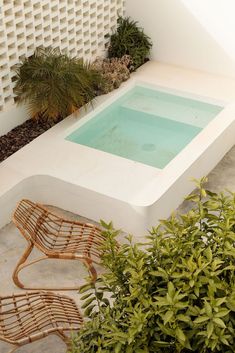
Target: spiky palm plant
54,85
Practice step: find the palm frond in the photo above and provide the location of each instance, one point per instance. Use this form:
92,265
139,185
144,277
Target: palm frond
54,85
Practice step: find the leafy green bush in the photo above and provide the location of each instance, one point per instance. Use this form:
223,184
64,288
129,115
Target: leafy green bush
176,293
129,39
54,85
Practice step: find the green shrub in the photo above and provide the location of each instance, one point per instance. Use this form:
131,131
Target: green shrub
129,39
176,293
54,85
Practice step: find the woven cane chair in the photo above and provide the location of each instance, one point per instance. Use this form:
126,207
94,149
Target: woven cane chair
27,317
56,238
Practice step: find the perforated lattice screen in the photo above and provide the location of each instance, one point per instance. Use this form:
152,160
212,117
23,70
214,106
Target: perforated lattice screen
76,26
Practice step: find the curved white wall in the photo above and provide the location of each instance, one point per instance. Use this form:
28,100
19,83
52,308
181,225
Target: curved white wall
191,33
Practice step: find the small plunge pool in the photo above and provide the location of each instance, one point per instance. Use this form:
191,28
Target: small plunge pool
146,125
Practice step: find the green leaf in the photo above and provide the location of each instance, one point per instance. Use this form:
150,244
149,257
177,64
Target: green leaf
168,316
219,322
183,318
208,309
99,295
193,198
161,344
201,319
86,287
210,329
84,297
118,347
171,290
180,334
224,341
87,302
88,310
106,301
191,283
222,313
208,254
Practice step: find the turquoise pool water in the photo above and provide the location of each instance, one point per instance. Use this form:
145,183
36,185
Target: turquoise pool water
146,126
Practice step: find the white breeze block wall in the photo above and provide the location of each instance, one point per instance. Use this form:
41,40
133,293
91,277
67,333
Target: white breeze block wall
77,27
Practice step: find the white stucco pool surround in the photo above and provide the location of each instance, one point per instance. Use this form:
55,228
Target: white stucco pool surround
99,185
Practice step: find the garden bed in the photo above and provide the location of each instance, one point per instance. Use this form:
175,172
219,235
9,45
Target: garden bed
22,135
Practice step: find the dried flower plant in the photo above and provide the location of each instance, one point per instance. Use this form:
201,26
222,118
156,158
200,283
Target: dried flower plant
113,71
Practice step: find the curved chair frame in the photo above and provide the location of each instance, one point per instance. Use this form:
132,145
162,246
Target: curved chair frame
28,317
56,238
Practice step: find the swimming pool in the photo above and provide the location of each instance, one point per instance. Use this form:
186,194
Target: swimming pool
100,185
146,125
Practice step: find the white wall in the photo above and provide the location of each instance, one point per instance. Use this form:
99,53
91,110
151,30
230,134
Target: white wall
191,33
12,118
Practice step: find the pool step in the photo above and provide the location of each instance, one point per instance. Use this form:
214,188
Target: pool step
197,115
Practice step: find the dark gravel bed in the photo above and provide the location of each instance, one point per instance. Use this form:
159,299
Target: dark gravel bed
22,135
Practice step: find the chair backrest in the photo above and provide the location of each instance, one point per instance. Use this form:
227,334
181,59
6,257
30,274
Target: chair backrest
51,232
28,217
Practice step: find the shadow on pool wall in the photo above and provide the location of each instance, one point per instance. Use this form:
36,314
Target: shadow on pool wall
50,190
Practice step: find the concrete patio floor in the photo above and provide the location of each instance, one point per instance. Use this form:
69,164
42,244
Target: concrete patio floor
70,272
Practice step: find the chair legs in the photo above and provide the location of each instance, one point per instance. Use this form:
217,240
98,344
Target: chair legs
22,264
60,334
14,349
65,338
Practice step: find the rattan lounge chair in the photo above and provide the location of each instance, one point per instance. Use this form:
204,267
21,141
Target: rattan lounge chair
56,238
27,317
